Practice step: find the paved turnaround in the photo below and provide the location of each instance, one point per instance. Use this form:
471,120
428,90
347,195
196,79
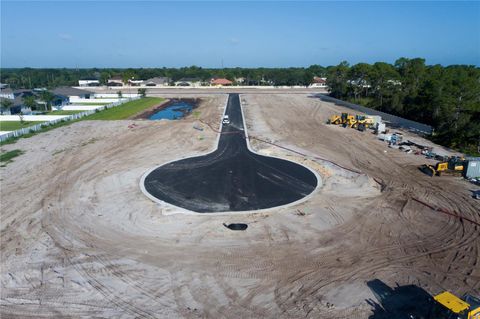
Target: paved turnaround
231,178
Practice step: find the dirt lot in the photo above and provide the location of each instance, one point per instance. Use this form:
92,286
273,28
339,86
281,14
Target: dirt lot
79,239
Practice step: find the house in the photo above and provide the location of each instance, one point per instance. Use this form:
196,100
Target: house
359,83
15,106
115,81
319,82
88,82
3,85
8,93
220,82
158,81
240,80
133,82
188,82
72,93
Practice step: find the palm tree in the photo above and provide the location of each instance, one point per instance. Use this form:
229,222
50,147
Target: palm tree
30,102
47,97
5,105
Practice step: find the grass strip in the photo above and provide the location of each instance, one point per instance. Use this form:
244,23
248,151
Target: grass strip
124,111
8,157
16,125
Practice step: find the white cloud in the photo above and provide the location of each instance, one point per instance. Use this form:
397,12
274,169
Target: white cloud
65,36
234,41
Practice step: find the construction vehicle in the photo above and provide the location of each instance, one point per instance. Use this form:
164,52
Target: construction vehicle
340,119
453,166
361,122
448,306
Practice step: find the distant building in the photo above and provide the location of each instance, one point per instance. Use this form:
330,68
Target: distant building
133,82
319,82
220,82
3,85
70,92
188,82
8,93
240,80
17,106
115,81
359,83
88,82
394,82
158,81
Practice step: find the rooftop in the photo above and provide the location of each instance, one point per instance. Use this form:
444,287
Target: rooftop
69,91
221,81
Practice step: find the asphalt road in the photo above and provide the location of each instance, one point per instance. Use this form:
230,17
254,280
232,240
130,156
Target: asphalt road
231,178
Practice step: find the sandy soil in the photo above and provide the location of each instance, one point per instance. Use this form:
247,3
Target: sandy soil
79,239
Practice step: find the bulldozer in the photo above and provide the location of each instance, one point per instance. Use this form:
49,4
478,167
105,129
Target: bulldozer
448,306
453,166
358,122
361,122
340,119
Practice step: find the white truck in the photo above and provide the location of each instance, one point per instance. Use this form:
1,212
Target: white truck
226,120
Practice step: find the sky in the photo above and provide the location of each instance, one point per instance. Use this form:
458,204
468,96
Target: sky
235,34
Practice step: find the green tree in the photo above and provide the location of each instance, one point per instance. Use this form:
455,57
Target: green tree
47,98
30,102
5,104
337,79
142,92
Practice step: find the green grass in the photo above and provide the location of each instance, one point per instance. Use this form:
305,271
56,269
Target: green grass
7,157
61,112
16,125
126,110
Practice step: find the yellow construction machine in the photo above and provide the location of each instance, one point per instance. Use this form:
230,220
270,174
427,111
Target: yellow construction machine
449,306
453,166
359,122
340,119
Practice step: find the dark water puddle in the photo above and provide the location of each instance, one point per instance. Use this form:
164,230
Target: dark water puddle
236,226
174,111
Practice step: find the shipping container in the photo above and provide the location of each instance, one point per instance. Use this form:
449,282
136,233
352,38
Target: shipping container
473,168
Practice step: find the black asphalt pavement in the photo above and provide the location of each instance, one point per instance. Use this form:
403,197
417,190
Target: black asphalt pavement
231,178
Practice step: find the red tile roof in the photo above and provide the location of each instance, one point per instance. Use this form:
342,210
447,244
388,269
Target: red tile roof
317,79
221,82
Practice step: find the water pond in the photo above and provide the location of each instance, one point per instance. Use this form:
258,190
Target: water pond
174,111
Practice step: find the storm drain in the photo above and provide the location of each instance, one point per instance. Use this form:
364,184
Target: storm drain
236,226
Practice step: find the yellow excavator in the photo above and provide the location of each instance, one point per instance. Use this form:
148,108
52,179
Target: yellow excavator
340,119
449,306
453,166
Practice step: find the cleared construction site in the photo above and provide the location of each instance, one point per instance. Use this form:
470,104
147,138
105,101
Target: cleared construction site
379,235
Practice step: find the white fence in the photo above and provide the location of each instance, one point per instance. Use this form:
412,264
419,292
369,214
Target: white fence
75,99
114,95
38,127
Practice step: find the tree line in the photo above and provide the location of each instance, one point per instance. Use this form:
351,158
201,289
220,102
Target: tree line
447,98
51,78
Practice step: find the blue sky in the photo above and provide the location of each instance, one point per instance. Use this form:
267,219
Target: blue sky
246,34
